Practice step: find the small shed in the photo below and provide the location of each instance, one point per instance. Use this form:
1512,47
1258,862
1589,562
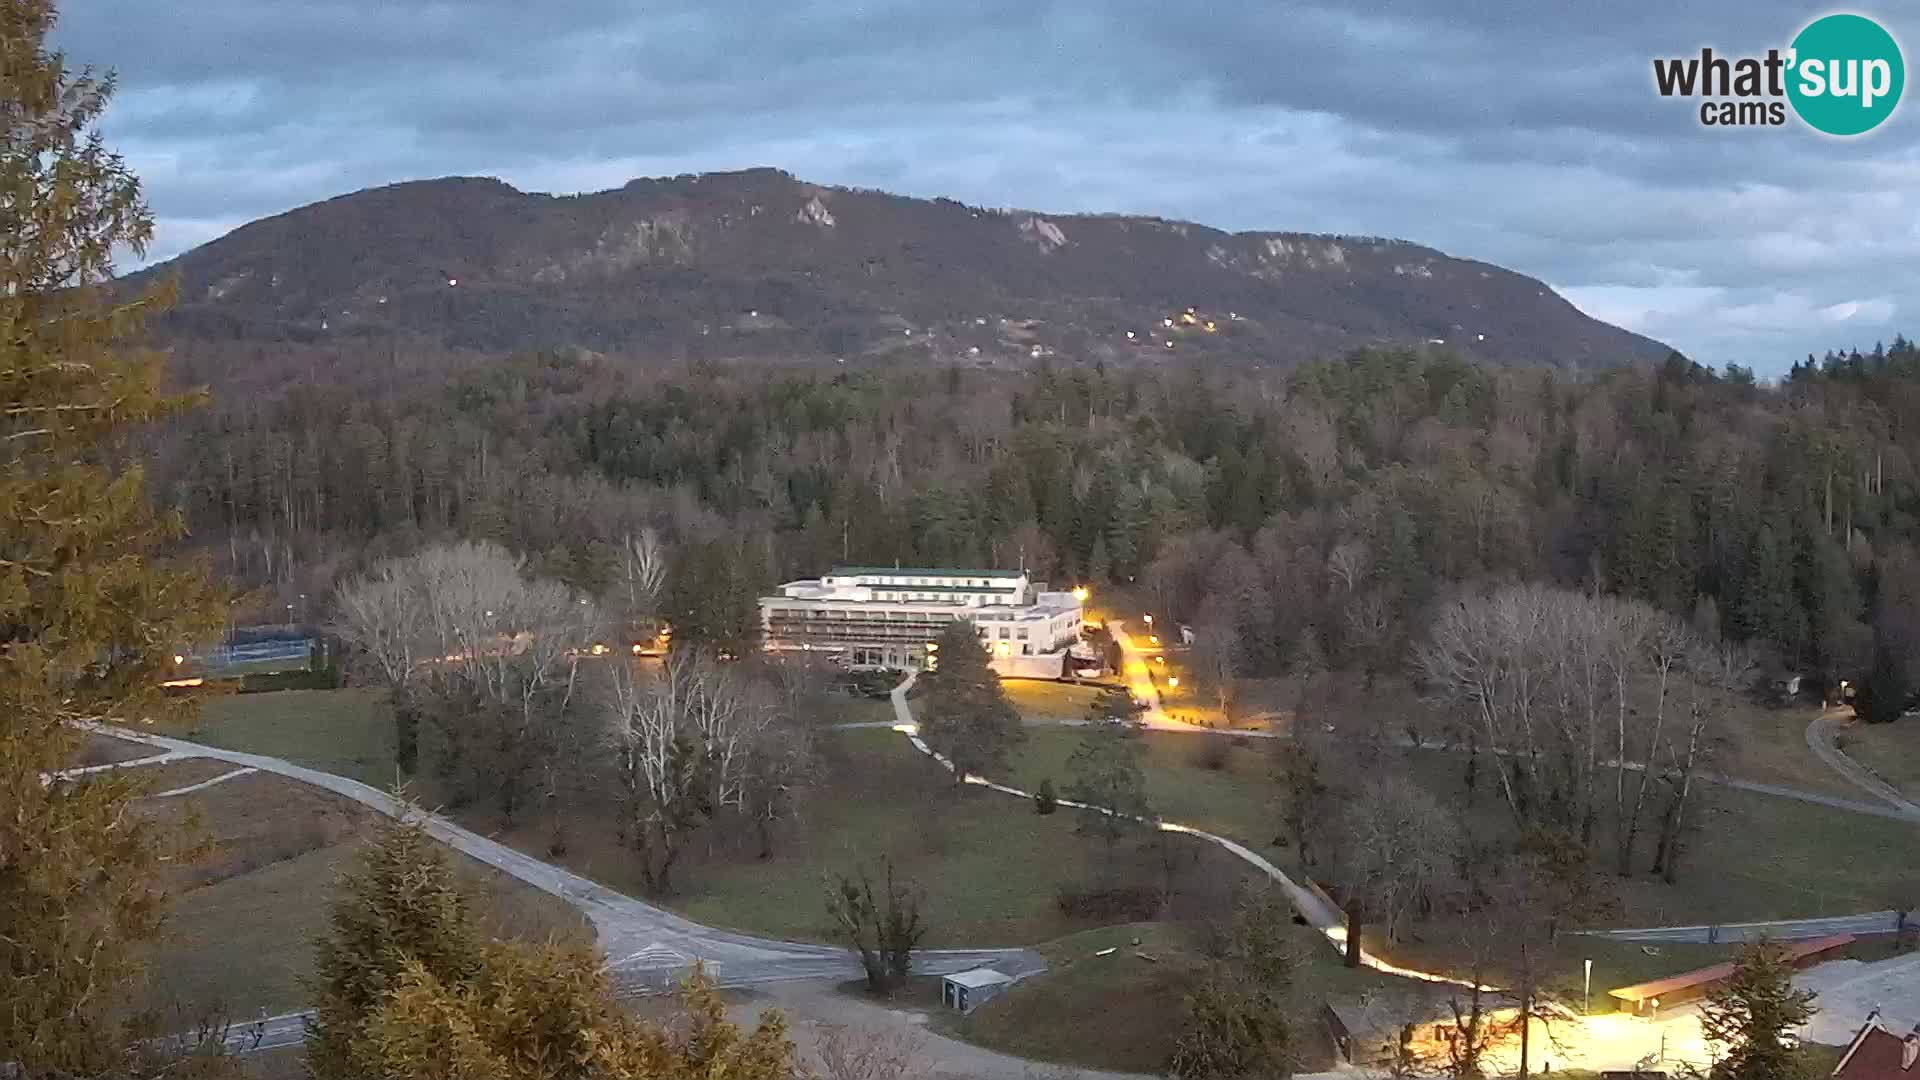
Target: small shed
1372,1030
1785,685
968,990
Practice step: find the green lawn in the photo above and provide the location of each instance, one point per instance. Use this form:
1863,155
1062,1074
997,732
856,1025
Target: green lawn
1123,1012
346,732
1753,856
1043,702
989,865
1238,799
239,936
1769,745
1892,751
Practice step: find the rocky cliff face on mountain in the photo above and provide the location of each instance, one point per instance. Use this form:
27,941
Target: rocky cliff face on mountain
760,264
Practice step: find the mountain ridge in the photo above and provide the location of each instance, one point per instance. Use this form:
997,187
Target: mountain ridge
758,262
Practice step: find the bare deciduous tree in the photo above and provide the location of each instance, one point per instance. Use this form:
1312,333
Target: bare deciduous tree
1394,852
698,740
458,624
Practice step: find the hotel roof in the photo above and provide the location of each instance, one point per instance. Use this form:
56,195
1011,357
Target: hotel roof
922,571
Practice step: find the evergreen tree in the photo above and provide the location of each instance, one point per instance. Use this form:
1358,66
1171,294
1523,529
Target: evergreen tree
400,915
965,716
90,616
1108,780
1883,695
1766,607
1754,1015
409,990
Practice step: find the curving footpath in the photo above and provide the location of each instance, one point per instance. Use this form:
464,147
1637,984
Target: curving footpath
1822,733
1314,906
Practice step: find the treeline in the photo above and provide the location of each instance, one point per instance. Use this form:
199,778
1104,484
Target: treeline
1346,490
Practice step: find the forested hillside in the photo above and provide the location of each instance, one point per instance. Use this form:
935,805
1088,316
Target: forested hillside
761,264
1314,511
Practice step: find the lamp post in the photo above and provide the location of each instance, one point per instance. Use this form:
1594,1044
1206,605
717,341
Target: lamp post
1588,1010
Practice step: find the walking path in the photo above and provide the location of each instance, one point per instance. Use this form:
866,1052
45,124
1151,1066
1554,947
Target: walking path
1314,906
1821,739
647,948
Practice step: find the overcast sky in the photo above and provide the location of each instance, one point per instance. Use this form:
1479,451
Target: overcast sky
1522,132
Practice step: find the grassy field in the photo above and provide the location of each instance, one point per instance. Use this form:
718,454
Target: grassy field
994,865
1892,751
990,867
1236,799
1769,745
1123,1012
1753,856
346,732
1043,702
239,936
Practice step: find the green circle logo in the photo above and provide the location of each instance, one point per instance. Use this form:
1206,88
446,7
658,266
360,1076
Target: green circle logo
1846,74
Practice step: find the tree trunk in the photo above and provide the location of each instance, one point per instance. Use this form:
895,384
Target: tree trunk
1353,938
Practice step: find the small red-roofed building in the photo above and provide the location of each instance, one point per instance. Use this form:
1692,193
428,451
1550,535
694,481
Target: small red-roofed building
1879,1054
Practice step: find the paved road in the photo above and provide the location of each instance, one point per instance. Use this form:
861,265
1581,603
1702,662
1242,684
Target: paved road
1821,733
647,948
1872,922
1849,989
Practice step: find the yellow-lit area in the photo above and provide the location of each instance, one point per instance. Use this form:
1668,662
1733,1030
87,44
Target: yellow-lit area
1210,327
638,648
178,660
1161,660
1001,648
933,646
176,683
1080,593
1153,639
1173,680
599,649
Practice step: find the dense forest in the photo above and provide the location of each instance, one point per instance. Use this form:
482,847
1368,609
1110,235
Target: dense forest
1313,511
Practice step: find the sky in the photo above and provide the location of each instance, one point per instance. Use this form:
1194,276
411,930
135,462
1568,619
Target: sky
1526,133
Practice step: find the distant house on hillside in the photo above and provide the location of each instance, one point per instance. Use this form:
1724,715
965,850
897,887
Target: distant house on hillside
1879,1054
1784,685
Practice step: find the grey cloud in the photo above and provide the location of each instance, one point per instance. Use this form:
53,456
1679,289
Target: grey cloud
1514,131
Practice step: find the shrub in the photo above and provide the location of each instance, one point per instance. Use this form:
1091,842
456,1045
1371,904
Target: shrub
1044,800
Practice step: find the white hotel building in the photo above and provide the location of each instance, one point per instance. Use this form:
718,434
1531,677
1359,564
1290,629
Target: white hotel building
881,617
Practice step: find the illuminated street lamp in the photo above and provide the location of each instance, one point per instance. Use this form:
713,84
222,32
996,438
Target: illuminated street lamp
1149,619
1080,593
178,659
1173,680
1588,1009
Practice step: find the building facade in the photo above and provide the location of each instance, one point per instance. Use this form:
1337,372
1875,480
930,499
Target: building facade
885,617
